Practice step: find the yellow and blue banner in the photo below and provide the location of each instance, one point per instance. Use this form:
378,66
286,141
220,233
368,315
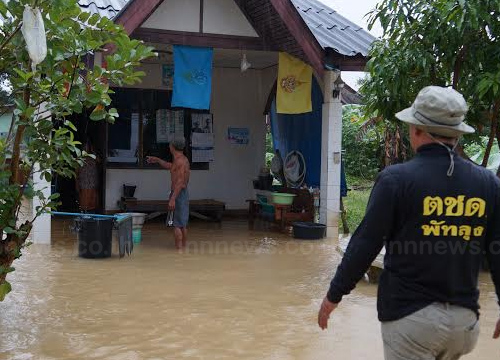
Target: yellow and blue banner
192,77
293,95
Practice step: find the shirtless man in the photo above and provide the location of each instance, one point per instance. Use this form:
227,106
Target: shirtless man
179,198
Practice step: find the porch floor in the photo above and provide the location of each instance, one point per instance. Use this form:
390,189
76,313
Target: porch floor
234,294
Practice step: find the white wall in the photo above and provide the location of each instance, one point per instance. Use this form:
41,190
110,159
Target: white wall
238,100
41,231
5,121
219,17
178,15
26,214
269,76
225,17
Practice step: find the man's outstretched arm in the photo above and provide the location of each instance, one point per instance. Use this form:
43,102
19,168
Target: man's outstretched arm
365,244
155,160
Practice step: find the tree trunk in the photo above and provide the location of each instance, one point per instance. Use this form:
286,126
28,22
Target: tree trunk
458,66
16,156
16,149
10,249
493,132
498,141
395,148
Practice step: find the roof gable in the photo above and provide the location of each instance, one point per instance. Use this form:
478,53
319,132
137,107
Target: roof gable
303,28
225,17
222,17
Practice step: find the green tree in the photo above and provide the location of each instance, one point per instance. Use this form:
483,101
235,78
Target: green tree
45,98
269,148
475,151
439,42
361,143
5,94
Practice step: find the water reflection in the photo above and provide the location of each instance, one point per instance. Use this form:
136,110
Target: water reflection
235,294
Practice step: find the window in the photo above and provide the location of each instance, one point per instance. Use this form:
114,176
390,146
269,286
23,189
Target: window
145,127
5,121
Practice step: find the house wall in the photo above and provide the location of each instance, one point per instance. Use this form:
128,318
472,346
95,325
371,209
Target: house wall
219,17
269,76
153,78
225,17
178,15
5,121
238,100
26,214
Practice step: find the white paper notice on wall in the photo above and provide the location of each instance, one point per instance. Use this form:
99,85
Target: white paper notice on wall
169,125
201,140
202,155
179,123
162,126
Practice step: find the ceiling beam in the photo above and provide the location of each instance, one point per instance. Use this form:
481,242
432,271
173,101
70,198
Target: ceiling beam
200,39
345,63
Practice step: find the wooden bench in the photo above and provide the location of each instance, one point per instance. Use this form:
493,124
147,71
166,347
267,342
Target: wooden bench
206,209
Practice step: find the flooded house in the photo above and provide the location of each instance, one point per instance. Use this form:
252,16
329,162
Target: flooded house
245,39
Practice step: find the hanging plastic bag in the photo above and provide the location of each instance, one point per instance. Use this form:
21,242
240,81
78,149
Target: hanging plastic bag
33,31
276,164
293,168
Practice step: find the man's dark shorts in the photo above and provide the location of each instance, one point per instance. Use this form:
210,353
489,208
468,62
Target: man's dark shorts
181,213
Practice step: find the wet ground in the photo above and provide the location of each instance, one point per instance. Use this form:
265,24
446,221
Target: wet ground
235,294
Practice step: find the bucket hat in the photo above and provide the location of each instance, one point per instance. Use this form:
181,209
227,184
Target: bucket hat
438,110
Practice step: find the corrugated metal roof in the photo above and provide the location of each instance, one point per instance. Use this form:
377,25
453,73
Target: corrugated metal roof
108,8
333,30
350,96
330,29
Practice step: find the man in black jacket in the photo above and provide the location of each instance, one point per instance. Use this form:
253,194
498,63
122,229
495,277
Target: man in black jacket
437,215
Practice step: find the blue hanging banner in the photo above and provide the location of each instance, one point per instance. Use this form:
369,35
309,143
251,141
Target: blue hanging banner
192,77
301,132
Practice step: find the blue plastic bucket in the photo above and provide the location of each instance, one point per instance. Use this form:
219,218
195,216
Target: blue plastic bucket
137,235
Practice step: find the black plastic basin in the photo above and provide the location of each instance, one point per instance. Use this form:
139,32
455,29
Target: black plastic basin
308,230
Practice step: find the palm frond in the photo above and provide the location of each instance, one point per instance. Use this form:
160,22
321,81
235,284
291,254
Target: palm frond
367,126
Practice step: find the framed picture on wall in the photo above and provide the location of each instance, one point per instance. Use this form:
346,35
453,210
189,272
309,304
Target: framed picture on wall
238,136
202,123
167,76
202,137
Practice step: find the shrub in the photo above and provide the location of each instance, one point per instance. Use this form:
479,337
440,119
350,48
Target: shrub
361,144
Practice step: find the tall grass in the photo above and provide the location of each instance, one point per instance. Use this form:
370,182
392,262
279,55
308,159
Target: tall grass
356,201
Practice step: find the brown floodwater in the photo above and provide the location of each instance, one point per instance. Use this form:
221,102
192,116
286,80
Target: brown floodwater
235,294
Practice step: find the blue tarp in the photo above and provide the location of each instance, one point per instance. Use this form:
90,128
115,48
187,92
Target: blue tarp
343,181
303,133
